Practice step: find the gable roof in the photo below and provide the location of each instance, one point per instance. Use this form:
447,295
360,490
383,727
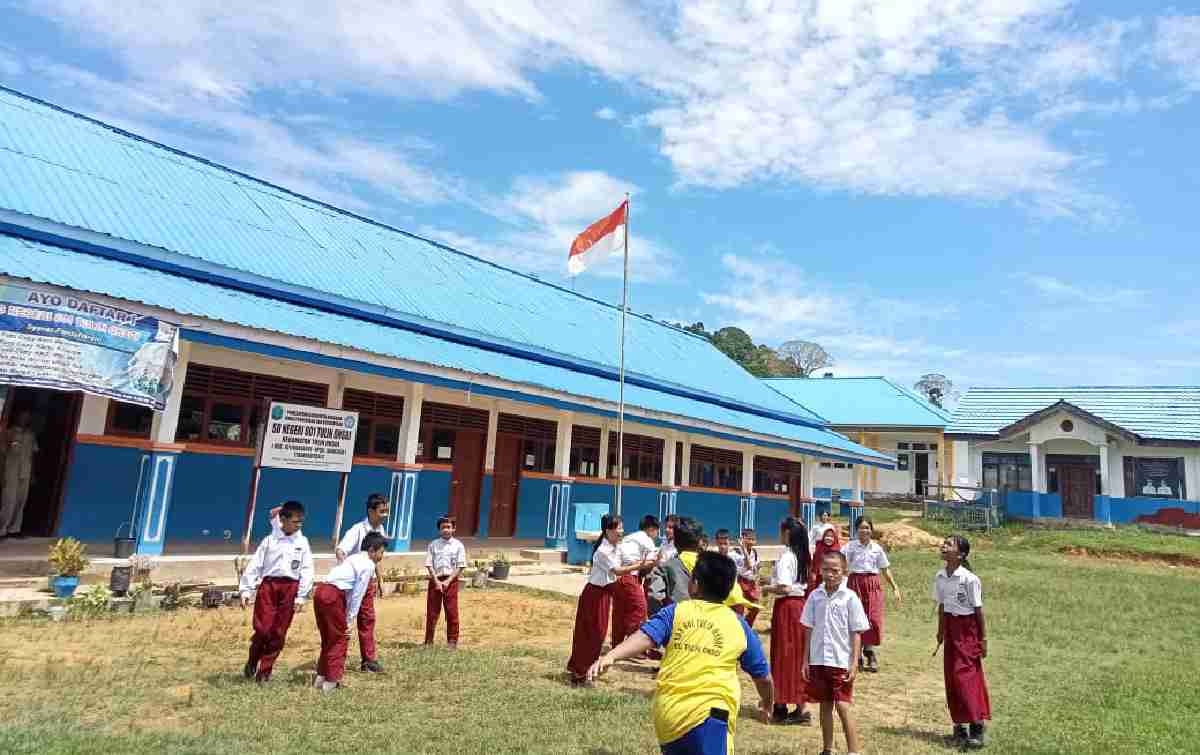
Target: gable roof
861,402
1149,412
167,210
1022,425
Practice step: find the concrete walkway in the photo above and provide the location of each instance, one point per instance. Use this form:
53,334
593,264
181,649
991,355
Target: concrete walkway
568,583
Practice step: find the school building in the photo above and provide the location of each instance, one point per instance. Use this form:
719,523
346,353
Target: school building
880,414
480,391
1113,454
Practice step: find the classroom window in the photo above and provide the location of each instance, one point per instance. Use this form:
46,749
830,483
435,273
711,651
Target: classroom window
1007,471
903,446
538,440
772,475
128,420
902,462
221,406
379,420
585,451
1154,478
716,468
826,465
642,455
441,425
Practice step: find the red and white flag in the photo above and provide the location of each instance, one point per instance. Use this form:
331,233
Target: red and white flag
600,239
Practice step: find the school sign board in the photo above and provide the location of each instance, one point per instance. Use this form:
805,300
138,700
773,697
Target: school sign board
295,436
53,340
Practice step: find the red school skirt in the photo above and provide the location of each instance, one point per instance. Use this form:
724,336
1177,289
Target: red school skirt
966,687
628,607
869,590
787,650
591,624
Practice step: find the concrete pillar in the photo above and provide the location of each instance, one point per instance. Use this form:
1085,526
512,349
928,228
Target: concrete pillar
669,461
605,435
748,471
562,445
685,471
1105,483
807,475
156,468
856,487
410,425
489,454
94,415
337,392
1035,461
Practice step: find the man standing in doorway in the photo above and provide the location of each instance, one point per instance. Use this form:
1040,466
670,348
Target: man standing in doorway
18,444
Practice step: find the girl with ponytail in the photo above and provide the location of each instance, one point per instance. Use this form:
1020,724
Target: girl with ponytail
961,627
789,583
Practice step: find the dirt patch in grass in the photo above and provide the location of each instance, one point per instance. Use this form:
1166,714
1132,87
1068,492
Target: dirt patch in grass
1120,554
903,535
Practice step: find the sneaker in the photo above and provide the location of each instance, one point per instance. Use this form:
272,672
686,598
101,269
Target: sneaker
371,667
779,715
960,734
873,664
800,718
250,669
975,738
262,678
328,687
320,680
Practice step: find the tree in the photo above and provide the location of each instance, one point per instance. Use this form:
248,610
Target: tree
805,357
737,345
938,388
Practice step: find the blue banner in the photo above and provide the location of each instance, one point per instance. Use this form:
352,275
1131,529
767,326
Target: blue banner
55,340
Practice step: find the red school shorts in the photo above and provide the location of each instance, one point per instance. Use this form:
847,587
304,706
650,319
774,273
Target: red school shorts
828,684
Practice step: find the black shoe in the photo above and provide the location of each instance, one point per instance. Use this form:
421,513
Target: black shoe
371,667
975,737
779,714
799,718
250,669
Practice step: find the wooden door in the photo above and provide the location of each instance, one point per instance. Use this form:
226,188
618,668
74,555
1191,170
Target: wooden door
1077,486
922,473
466,476
506,482
794,495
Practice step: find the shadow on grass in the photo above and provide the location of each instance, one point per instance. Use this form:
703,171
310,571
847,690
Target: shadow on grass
922,735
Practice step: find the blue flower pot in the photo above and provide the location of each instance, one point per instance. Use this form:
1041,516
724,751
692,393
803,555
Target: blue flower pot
64,587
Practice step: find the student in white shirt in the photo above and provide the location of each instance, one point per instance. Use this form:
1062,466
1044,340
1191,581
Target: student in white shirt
629,599
834,621
819,529
351,543
745,556
445,559
595,603
959,597
868,561
337,601
788,584
281,576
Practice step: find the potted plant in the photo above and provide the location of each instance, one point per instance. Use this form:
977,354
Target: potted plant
500,566
68,561
141,566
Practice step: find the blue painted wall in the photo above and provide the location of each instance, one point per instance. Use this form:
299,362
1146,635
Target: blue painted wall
101,486
768,513
1127,510
636,502
433,500
714,510
210,495
485,505
592,492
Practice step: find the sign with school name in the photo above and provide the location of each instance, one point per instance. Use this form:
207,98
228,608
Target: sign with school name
50,339
295,436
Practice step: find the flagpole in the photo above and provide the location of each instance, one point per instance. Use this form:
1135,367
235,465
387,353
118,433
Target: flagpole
621,372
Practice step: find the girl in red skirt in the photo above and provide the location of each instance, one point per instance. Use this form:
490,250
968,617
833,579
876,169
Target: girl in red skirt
789,584
745,556
961,627
629,599
595,604
868,561
828,543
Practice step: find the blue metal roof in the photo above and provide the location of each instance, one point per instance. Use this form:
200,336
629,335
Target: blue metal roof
1151,412
79,271
861,402
230,228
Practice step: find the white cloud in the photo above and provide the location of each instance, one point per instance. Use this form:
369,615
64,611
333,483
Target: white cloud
544,214
606,114
1177,45
1058,290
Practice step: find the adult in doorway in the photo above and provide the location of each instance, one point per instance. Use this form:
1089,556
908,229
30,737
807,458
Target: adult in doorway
18,446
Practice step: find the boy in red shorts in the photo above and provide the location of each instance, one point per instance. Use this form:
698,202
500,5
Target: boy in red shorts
834,621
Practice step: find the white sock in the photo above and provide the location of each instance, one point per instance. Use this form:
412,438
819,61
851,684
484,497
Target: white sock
318,681
328,687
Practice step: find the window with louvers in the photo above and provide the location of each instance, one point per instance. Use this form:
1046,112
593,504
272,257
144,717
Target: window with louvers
379,420
772,475
643,457
716,468
440,427
221,405
538,440
585,451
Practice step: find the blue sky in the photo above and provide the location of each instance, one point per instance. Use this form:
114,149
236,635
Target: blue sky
1001,190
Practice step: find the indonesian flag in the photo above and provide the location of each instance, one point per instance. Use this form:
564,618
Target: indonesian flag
600,239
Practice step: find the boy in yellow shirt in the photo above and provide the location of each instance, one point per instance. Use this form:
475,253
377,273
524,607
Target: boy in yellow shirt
698,695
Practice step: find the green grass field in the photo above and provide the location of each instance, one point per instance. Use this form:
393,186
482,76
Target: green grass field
1089,655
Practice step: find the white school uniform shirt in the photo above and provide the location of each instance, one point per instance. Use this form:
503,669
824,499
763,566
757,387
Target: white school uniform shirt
634,547
747,563
353,577
865,559
604,560
444,556
668,551
959,593
787,574
351,542
281,555
816,533
831,618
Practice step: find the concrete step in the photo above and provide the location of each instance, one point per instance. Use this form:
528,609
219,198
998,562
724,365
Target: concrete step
543,555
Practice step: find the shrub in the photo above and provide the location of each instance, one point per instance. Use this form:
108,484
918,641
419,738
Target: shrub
67,557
